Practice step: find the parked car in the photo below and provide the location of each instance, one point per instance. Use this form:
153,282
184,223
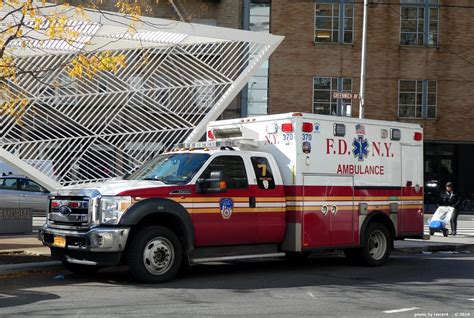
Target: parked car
17,191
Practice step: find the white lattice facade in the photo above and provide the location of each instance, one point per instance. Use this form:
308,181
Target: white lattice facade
177,77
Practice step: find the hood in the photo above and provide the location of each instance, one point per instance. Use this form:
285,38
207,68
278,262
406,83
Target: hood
111,187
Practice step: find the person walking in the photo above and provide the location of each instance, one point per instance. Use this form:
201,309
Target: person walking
449,198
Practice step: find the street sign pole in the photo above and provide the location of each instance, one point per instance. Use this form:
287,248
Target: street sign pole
363,62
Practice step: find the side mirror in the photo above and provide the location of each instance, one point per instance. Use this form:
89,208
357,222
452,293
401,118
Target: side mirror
215,184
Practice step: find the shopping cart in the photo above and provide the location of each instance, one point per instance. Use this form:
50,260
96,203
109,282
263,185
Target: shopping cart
440,219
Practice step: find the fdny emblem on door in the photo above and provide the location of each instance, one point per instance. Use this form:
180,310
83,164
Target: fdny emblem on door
227,206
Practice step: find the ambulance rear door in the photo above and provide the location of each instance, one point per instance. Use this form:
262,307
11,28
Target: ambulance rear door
411,216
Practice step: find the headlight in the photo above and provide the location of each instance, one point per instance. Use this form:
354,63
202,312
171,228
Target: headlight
112,208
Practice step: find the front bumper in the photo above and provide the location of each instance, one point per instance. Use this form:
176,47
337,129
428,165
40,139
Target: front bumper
97,246
98,239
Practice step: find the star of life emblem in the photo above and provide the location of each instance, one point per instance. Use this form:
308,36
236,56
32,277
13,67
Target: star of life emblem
360,150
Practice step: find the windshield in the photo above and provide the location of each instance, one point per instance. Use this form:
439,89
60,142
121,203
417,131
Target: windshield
178,168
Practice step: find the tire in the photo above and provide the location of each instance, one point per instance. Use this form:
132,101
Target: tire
154,255
80,269
445,233
432,232
377,244
297,257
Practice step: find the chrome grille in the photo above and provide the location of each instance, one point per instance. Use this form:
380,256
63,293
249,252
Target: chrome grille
69,212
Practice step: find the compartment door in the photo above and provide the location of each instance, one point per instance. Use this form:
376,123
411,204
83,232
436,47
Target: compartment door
328,217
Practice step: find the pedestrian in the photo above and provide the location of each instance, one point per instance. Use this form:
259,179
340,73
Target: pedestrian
449,198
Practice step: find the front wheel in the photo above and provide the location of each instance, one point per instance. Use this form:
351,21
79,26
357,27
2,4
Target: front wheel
376,245
154,255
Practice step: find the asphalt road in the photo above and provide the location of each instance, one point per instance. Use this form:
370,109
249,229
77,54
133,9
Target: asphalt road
435,285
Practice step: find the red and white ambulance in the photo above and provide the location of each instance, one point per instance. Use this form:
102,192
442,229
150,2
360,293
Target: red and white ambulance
294,183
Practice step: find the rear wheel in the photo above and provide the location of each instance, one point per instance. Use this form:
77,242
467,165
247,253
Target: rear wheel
432,232
154,255
445,233
80,268
377,243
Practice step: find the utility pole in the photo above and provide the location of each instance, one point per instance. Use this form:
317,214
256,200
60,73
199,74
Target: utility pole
363,62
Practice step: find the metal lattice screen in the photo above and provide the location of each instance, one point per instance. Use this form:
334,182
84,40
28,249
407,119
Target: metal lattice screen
92,129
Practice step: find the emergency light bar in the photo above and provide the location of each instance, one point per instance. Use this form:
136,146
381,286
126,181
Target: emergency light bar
213,144
223,133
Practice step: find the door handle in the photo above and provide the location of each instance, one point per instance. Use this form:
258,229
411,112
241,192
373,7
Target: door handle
252,202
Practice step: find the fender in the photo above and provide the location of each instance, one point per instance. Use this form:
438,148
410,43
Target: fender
379,216
161,206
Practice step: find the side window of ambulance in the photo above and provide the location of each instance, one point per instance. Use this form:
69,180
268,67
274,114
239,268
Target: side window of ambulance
263,171
233,168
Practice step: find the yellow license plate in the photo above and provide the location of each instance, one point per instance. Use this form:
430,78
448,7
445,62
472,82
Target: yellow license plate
59,241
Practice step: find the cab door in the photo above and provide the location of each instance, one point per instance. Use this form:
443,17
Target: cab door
225,218
9,196
269,200
33,196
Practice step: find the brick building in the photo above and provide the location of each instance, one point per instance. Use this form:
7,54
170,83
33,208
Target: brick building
420,65
420,69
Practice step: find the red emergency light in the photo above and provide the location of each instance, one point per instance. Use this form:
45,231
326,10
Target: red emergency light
54,204
307,127
74,204
287,128
210,135
418,136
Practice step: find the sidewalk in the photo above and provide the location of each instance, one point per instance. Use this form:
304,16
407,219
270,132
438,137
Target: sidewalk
436,243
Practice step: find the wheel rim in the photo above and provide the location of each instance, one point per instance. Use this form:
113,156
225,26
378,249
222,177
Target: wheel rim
158,255
377,245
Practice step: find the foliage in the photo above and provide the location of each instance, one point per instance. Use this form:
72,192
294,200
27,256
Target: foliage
32,24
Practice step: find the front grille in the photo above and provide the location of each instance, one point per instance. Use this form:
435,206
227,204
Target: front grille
69,211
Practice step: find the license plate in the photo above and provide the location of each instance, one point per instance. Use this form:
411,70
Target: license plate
59,241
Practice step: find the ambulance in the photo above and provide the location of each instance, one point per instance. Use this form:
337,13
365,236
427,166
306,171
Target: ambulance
291,183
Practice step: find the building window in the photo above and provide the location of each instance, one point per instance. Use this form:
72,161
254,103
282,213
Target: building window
259,21
323,99
419,22
334,22
417,99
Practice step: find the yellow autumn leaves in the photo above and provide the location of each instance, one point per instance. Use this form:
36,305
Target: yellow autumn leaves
37,21
89,66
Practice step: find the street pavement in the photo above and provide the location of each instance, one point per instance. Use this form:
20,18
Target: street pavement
424,278
413,285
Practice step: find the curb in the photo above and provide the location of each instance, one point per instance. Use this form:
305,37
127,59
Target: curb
434,248
15,268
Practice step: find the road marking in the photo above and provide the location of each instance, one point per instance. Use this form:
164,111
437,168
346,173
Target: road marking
471,299
394,311
6,296
311,294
